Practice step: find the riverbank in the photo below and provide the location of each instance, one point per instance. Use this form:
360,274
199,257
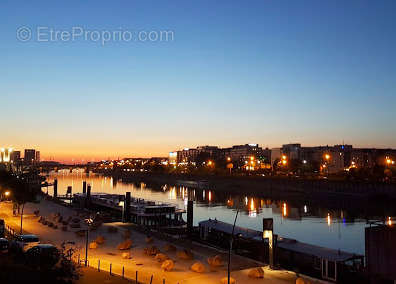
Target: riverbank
272,186
108,257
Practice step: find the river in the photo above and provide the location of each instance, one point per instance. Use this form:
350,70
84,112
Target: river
305,221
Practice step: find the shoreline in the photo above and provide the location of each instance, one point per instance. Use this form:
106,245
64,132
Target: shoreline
277,187
108,257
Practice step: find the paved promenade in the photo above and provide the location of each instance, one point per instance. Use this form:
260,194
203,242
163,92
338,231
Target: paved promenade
108,257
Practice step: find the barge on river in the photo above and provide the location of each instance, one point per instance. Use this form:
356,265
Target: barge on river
140,211
319,262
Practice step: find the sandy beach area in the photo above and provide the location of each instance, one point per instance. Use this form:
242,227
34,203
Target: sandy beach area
107,257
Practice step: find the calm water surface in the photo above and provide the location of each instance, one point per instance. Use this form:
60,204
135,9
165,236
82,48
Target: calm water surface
306,222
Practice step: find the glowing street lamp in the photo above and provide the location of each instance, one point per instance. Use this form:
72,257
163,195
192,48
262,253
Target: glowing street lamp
284,160
7,194
389,161
327,159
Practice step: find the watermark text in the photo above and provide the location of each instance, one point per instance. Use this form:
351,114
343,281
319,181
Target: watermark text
103,37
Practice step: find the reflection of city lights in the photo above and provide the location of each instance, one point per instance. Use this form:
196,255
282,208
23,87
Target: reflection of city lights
210,196
203,195
252,204
172,193
328,219
284,209
305,209
389,221
246,200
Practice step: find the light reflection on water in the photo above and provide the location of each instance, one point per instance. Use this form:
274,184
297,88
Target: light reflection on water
318,226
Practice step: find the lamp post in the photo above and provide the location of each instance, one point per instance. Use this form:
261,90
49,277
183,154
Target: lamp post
23,206
230,249
327,159
229,164
389,161
89,222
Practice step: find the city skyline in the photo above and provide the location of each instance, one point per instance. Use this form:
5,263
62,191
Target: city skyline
112,156
264,73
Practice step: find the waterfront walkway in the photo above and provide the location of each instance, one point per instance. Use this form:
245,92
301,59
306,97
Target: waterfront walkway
109,258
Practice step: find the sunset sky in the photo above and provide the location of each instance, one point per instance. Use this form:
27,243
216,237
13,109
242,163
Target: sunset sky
236,72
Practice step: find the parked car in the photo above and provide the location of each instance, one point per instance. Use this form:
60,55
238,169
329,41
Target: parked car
3,246
25,242
42,255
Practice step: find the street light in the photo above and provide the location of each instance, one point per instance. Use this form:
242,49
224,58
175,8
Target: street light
7,193
325,165
230,249
284,160
89,222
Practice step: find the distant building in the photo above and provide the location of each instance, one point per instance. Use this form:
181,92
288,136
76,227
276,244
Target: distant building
276,154
37,160
189,155
330,159
241,152
16,156
369,158
5,155
30,156
292,151
172,158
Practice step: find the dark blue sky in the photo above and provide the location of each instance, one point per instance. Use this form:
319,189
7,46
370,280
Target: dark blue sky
268,72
